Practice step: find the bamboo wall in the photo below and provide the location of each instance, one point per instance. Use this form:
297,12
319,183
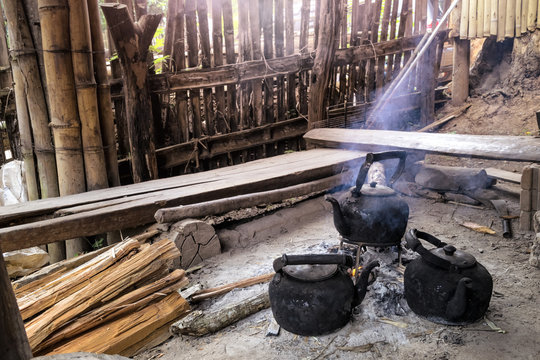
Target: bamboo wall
241,90
500,18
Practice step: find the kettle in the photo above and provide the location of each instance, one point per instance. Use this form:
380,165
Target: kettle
372,214
445,285
313,294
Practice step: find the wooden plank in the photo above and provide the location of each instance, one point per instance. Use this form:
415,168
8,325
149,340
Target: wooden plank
494,17
480,19
504,175
531,15
464,22
268,174
518,17
499,147
487,17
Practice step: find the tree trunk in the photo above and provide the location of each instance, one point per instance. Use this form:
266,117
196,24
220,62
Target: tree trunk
31,87
13,340
104,95
54,18
132,41
324,57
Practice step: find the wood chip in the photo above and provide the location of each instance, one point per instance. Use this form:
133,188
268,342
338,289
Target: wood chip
478,228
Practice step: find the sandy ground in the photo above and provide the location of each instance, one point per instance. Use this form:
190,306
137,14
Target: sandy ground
308,228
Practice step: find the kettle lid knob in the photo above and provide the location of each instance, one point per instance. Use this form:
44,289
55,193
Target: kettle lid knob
449,250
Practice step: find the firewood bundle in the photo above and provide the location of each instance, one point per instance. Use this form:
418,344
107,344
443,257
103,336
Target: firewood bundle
115,303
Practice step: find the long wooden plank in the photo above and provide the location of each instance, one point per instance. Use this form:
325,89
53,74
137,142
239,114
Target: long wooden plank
284,170
516,148
504,175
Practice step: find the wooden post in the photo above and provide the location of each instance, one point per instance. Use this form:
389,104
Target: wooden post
26,63
54,19
460,74
106,118
324,59
13,340
132,40
85,85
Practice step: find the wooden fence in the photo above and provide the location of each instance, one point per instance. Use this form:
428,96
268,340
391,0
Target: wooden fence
238,76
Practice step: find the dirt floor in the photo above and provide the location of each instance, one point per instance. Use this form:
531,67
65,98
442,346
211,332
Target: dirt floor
308,228
384,326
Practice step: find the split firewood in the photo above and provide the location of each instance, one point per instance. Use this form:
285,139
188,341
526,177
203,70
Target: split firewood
126,304
47,274
478,228
101,288
220,290
118,336
199,323
72,281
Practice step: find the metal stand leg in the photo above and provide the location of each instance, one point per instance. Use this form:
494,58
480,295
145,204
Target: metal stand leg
357,263
399,255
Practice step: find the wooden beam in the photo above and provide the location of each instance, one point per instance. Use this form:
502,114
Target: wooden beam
259,69
498,147
460,73
13,340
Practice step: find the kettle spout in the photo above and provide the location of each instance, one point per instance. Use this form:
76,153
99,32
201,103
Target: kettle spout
339,220
362,284
458,303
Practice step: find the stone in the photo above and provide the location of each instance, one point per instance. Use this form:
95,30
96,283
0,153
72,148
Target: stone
196,241
536,222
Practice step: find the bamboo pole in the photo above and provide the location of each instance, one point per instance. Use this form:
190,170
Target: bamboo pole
54,19
524,10
531,15
518,18
464,23
501,19
472,19
487,17
25,133
106,118
494,17
21,51
480,19
85,86
538,12
510,22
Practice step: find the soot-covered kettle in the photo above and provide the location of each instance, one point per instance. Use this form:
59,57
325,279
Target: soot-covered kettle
372,214
445,285
313,295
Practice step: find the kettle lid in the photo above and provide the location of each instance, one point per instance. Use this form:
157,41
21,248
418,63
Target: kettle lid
457,258
374,189
311,272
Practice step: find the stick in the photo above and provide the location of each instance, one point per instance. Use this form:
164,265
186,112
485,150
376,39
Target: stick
439,123
220,290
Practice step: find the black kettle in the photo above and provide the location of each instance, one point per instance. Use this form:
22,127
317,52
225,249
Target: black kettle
372,214
445,285
314,295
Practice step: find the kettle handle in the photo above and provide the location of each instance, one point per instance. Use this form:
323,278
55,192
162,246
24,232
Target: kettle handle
339,259
374,157
412,238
